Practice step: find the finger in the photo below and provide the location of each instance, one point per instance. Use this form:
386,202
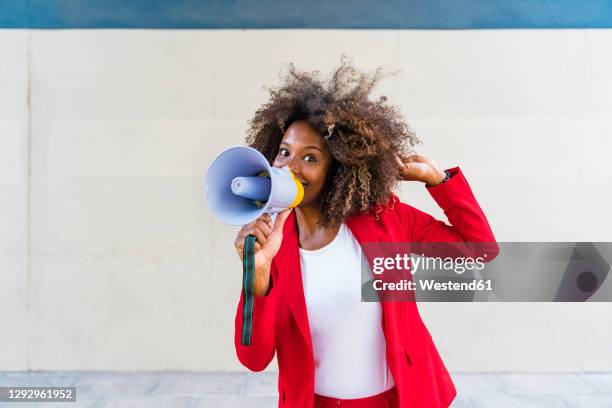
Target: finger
269,221
240,238
244,231
259,235
280,220
254,231
399,161
239,247
240,251
239,242
416,168
264,227
415,158
248,226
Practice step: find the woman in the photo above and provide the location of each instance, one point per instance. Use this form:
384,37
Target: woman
349,153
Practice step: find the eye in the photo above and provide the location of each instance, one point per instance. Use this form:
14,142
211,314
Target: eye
283,152
310,158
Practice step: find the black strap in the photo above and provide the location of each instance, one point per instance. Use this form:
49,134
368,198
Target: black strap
248,277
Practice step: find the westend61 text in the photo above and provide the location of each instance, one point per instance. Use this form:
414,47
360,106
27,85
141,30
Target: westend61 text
430,284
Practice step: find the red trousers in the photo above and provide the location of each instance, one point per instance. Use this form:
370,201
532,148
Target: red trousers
387,399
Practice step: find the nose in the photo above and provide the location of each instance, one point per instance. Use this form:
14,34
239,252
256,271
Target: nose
293,165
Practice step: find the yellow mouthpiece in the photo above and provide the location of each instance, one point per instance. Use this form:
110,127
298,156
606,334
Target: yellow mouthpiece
300,191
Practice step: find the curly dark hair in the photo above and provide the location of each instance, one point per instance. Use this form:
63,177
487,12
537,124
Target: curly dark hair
363,136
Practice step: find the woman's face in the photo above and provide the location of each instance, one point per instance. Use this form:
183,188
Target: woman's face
307,155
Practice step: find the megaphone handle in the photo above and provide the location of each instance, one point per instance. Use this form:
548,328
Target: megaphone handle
248,278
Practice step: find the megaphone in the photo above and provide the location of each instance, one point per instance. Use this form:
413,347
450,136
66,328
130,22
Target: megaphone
241,185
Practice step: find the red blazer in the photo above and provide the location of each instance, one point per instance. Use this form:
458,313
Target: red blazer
280,321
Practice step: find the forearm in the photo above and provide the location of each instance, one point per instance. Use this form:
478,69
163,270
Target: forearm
468,222
257,355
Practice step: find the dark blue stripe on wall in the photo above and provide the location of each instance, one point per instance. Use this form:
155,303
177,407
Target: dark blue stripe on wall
364,14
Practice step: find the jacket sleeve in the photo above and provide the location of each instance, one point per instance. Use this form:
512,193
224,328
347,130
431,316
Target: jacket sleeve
260,352
468,223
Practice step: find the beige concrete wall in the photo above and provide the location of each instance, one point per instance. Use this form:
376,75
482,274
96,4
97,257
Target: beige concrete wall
116,263
14,275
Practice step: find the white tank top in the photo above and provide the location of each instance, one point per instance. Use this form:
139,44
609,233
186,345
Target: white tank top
347,338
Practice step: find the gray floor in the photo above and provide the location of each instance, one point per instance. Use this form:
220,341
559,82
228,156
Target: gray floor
225,390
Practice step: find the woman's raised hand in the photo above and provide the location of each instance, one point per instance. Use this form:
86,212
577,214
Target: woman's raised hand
419,168
269,237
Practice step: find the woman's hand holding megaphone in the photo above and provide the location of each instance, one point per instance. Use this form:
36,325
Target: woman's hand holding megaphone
269,237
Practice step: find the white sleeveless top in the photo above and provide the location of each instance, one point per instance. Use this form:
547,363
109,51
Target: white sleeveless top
347,338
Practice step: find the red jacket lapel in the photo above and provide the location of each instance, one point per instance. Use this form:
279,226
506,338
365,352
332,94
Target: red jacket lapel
288,264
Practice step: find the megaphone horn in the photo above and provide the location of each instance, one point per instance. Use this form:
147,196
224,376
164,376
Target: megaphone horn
241,185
